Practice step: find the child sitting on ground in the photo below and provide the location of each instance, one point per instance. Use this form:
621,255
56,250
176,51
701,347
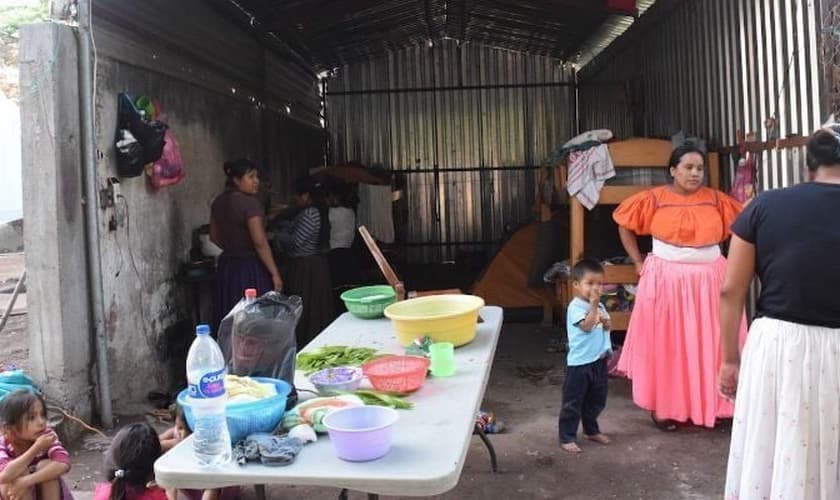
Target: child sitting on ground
130,463
32,460
585,386
175,435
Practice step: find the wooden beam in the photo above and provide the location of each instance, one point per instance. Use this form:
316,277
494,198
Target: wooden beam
576,214
713,168
758,147
640,153
613,195
619,320
619,274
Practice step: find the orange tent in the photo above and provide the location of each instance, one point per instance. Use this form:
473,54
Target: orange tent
504,282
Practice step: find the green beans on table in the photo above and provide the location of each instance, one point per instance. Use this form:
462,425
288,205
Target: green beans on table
333,356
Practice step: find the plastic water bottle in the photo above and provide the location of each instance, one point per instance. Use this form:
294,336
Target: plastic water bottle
206,377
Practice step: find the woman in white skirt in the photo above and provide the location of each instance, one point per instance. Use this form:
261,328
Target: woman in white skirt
786,427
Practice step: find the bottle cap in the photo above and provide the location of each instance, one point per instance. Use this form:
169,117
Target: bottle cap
202,330
251,293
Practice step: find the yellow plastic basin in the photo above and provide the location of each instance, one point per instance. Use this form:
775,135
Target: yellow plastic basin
443,318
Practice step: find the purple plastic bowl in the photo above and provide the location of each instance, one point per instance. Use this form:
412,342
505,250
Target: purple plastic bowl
361,433
330,381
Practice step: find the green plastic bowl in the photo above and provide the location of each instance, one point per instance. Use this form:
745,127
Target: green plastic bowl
369,302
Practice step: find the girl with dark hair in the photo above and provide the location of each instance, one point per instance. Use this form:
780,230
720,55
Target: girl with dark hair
237,226
130,462
672,349
307,243
32,460
786,430
171,438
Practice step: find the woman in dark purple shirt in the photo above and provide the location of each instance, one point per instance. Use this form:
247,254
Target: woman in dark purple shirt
237,226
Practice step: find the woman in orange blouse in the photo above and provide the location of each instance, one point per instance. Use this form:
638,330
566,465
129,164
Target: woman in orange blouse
672,349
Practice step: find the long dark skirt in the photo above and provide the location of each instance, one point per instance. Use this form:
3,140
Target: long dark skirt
345,273
309,277
233,276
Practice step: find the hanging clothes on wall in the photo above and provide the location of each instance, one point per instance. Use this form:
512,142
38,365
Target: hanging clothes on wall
588,170
375,212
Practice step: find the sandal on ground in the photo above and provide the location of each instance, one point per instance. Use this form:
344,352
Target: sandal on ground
666,425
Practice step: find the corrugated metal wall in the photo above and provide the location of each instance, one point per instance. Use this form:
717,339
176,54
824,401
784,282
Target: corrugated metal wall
711,67
468,150
209,51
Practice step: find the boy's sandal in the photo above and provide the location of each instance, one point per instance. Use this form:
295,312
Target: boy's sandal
666,425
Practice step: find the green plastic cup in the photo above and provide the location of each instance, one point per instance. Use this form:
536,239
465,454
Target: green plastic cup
443,359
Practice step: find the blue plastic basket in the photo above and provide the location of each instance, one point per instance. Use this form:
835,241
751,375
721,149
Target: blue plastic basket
247,418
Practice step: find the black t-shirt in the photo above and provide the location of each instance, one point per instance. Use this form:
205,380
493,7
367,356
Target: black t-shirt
797,244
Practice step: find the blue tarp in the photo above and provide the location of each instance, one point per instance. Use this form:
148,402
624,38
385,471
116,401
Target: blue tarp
14,380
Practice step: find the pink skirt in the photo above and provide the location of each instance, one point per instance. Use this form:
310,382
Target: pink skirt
672,350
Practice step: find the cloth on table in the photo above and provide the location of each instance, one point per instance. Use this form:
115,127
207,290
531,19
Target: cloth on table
588,171
375,211
268,449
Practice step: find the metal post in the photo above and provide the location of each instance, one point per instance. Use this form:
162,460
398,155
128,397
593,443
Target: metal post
94,262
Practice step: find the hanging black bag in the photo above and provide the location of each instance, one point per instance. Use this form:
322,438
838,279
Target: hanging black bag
138,142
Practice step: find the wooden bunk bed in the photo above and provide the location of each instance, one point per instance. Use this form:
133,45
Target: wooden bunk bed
632,153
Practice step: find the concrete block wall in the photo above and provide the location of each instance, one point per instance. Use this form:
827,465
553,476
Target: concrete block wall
144,299
57,290
148,308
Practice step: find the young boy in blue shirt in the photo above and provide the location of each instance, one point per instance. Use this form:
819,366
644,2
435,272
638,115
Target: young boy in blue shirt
585,386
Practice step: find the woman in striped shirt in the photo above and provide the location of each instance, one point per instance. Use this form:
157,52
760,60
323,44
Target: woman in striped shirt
307,243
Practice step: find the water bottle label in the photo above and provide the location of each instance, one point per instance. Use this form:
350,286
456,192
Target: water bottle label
210,385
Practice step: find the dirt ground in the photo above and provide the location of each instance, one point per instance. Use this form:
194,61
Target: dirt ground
524,392
14,347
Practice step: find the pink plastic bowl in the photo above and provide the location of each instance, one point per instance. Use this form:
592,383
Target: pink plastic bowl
397,373
361,433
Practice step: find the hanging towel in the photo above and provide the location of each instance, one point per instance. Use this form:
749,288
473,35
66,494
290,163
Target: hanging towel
375,211
587,172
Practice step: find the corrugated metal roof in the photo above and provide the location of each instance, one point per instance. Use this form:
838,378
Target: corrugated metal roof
333,32
212,50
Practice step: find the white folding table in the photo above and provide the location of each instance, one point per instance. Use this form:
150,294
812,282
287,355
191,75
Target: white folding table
430,440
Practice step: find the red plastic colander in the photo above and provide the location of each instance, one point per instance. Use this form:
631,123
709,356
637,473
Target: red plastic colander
396,373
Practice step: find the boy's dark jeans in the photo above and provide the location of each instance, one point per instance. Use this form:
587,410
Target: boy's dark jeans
584,398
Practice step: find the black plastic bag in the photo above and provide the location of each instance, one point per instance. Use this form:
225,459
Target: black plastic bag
138,142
